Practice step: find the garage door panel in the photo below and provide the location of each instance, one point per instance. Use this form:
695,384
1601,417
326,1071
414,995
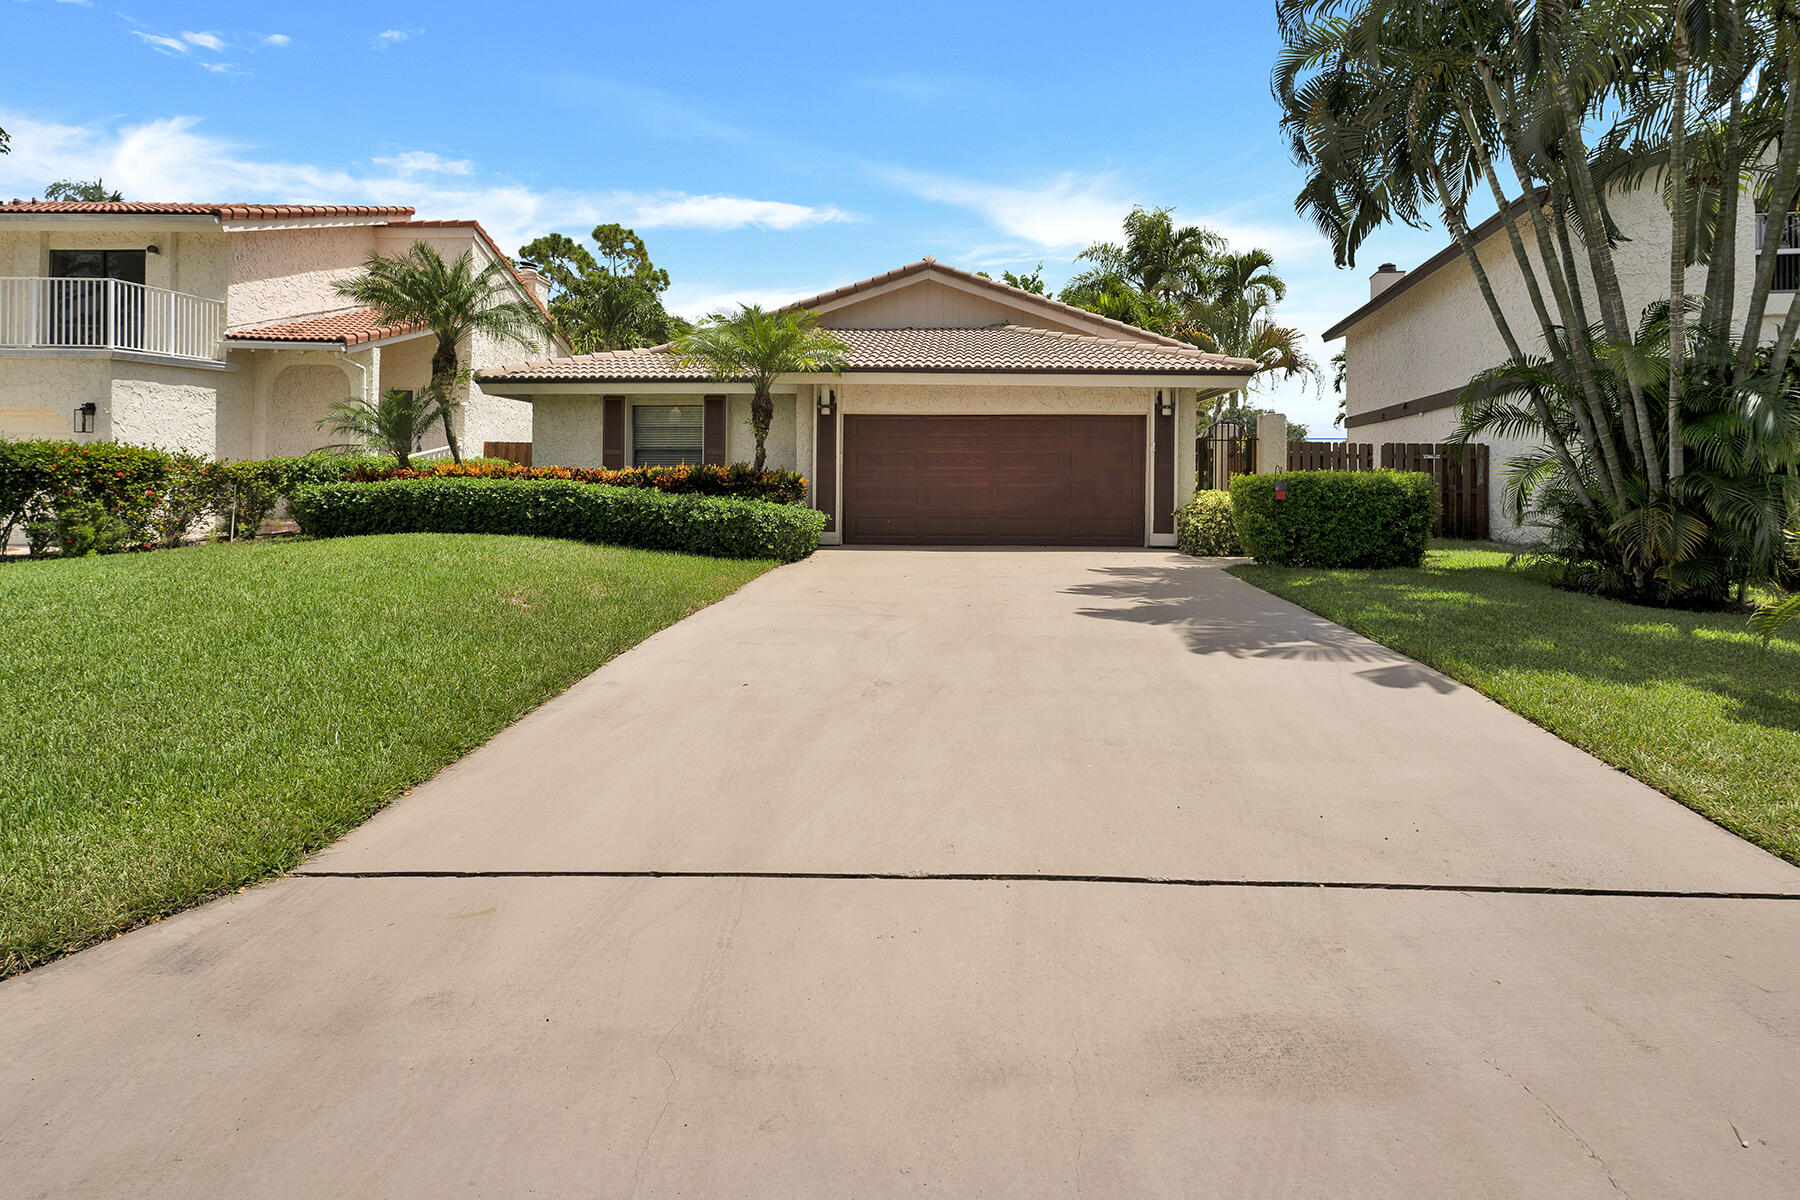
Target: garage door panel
994,479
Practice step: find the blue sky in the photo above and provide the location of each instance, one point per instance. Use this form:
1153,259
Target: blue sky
762,158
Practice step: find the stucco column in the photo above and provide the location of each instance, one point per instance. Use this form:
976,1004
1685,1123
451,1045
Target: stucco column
1271,443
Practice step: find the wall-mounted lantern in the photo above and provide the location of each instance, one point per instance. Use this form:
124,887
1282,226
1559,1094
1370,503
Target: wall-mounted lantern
827,402
82,419
152,249
1165,403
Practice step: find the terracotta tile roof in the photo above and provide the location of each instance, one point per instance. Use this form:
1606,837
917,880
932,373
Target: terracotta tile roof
1011,293
353,328
224,212
997,348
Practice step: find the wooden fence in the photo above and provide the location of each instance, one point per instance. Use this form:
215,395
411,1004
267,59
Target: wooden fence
1331,456
517,452
1461,474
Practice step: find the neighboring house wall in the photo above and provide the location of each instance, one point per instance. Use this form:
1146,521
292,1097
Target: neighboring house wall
566,430
1438,334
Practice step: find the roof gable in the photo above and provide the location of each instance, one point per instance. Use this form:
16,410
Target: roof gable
930,295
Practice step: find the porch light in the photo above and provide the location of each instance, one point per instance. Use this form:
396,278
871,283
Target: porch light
1165,402
83,417
827,402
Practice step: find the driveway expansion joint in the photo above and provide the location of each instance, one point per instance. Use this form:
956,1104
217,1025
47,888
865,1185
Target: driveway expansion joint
1500,889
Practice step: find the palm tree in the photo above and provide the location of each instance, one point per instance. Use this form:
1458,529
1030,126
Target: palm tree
760,347
452,300
1237,321
1158,259
393,421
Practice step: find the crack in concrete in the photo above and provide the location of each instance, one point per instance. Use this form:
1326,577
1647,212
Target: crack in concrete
1480,889
1557,1119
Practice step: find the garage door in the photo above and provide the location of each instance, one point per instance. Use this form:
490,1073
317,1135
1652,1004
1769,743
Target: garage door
1030,481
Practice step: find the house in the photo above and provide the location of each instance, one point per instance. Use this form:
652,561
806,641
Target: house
214,327
1424,333
969,412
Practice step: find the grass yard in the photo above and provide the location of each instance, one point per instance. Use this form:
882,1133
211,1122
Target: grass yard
178,724
1686,702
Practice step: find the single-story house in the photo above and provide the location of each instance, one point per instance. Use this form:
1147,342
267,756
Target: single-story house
1424,333
969,412
215,328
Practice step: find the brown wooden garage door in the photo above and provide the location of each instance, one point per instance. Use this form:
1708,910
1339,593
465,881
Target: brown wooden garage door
1029,481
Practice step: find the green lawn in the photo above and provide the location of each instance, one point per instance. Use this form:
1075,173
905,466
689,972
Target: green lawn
1686,702
177,724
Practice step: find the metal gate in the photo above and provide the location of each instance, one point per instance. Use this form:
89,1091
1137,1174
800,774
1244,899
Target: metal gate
1227,449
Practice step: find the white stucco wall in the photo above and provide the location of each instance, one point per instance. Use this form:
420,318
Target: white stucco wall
277,274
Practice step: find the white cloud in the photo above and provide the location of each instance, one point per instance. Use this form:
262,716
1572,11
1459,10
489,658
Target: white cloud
1067,210
219,68
676,210
276,39
206,41
172,159
697,300
415,162
166,45
393,37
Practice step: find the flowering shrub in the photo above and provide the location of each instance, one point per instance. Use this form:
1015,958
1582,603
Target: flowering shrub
700,479
38,478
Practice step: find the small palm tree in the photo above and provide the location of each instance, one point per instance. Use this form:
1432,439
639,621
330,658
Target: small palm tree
451,299
760,347
394,421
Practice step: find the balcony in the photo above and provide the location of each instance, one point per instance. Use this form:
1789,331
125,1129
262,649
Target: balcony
1787,255
111,315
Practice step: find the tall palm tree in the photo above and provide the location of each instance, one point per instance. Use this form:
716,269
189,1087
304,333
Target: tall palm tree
1158,259
452,300
1238,321
760,347
393,421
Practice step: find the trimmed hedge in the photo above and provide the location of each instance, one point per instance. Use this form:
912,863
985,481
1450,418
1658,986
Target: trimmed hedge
1204,526
720,526
1336,518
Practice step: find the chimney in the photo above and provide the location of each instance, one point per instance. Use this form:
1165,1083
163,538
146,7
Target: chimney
534,281
1385,277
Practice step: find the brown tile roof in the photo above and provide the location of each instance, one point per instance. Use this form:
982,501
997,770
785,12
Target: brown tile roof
1011,293
1000,348
224,212
353,328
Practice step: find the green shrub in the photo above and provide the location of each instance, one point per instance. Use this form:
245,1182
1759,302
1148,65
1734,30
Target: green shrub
1336,518
700,479
78,528
1204,526
723,527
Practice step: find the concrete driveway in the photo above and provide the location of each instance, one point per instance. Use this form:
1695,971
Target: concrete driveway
975,873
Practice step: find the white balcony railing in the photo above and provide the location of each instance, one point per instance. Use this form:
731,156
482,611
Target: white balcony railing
1787,254
109,314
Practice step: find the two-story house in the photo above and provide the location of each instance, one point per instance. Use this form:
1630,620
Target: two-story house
1424,333
215,327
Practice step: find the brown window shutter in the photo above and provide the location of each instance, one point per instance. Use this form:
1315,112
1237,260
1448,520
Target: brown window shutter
712,433
612,432
1162,489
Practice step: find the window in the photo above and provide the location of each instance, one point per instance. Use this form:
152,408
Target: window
663,435
81,313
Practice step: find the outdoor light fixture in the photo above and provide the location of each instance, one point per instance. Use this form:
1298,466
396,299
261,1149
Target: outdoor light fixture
152,249
83,417
1166,403
827,402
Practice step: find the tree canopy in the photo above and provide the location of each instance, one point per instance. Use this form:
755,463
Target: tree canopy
1184,281
81,189
608,298
760,347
